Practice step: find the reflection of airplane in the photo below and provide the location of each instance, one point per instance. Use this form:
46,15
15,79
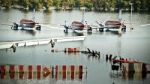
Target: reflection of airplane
31,32
26,24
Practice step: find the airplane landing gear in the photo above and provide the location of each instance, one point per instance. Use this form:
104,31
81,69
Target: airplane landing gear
89,29
14,26
123,28
101,29
38,27
52,43
66,29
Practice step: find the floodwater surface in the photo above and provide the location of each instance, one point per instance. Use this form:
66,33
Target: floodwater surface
132,44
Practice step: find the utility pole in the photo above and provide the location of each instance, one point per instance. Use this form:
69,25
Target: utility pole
33,15
118,5
119,10
83,12
131,25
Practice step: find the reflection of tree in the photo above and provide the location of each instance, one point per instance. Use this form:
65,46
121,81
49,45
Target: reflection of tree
57,3
119,46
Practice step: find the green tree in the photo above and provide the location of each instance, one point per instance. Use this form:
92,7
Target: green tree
148,5
26,3
47,3
57,3
6,3
71,3
88,4
65,4
77,3
110,5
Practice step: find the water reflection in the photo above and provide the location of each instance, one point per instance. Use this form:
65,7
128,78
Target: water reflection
47,11
43,81
129,76
116,33
77,34
134,76
106,42
31,32
74,34
89,33
59,10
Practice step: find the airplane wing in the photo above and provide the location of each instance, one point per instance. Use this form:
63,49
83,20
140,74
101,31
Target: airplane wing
8,24
23,43
138,25
143,25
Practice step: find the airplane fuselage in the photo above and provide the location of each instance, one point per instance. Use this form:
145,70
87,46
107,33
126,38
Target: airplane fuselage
76,25
26,24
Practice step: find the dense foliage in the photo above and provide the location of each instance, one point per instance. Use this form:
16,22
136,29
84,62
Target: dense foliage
98,5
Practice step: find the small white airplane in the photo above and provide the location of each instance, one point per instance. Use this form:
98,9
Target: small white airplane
76,26
24,24
112,25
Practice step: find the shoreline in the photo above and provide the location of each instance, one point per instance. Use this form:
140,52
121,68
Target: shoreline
113,10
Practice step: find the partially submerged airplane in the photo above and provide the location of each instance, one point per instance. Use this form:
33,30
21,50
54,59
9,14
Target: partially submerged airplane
26,24
111,24
108,25
78,26
75,25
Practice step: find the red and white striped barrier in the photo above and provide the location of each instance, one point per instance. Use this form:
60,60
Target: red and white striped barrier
72,72
40,72
138,67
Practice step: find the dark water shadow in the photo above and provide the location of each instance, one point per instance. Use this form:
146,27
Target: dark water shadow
129,75
77,34
31,32
118,33
47,11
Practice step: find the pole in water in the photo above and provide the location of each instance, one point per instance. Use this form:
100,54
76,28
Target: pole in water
120,15
33,14
131,16
83,15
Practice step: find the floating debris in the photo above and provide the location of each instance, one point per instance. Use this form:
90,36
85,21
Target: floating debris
74,50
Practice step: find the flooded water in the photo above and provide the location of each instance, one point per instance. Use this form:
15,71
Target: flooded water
133,44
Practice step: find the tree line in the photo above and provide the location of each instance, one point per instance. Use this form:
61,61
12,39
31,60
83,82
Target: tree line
97,5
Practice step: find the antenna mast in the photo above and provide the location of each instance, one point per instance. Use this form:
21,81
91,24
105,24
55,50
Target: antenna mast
33,14
131,16
83,12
